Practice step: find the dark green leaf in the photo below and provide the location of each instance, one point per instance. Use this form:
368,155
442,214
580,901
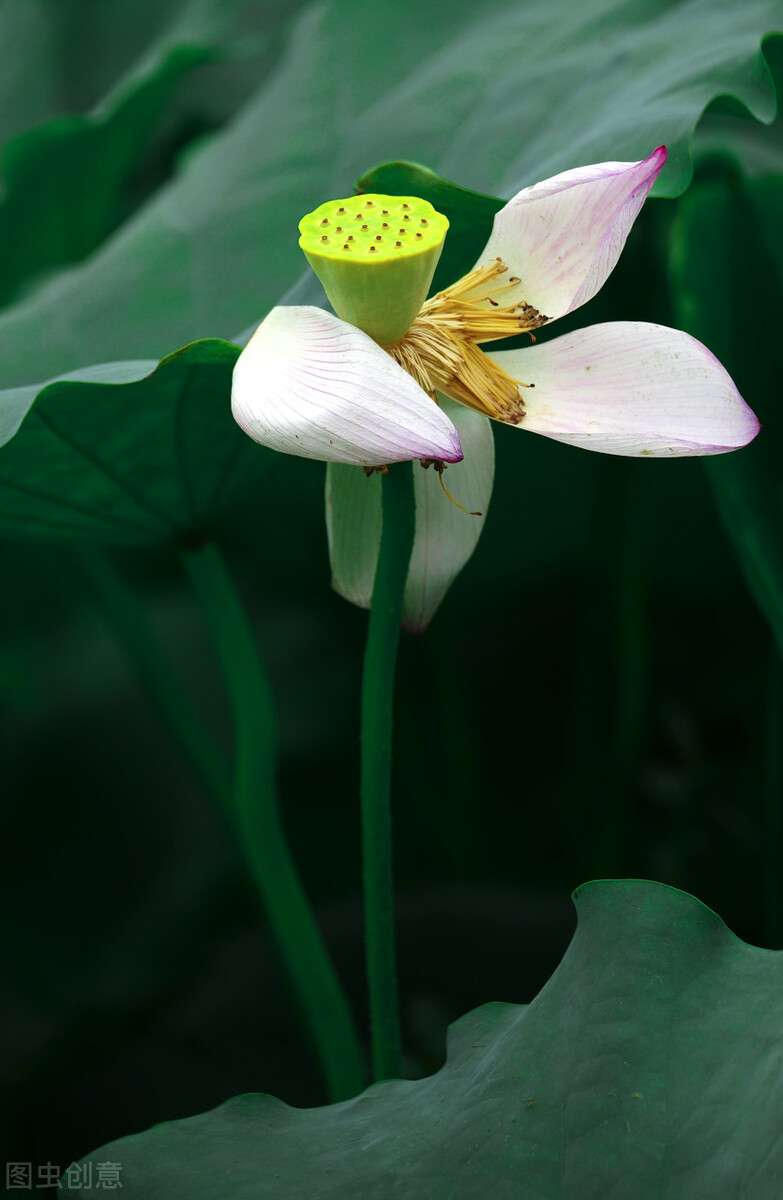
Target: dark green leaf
135,453
750,513
494,96
470,214
724,293
123,100
64,184
647,1067
63,57
766,198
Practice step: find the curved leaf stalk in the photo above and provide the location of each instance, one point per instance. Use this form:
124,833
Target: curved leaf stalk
261,832
377,722
183,723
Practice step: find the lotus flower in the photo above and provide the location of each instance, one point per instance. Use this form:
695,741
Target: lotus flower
413,383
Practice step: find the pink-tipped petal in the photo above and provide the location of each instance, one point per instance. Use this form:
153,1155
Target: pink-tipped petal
445,536
631,388
309,384
562,237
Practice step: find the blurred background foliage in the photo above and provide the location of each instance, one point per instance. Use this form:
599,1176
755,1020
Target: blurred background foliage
600,694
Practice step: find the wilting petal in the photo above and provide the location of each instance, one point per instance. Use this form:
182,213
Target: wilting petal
631,388
353,527
445,536
563,237
309,384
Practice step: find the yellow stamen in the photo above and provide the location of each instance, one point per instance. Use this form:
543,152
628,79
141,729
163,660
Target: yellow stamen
469,306
440,350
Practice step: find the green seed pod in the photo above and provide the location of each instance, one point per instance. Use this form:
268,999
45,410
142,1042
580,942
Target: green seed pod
375,256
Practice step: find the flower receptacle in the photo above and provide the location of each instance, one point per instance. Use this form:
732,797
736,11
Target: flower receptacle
375,256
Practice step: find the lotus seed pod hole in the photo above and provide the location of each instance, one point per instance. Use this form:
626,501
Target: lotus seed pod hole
385,226
375,256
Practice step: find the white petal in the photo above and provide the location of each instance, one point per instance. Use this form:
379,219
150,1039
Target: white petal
631,388
353,527
309,384
445,536
563,237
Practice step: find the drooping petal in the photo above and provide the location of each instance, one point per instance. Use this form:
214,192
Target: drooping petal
445,536
353,527
562,237
309,384
631,388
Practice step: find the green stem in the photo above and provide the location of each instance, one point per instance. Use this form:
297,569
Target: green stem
291,920
171,702
377,719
